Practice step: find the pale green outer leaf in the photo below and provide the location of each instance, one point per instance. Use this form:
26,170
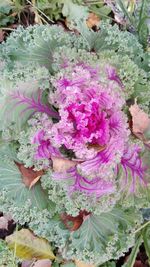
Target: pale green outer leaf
74,12
7,117
11,180
27,246
132,257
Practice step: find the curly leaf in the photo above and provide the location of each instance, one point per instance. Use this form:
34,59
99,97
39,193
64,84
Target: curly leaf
27,246
36,44
11,180
96,232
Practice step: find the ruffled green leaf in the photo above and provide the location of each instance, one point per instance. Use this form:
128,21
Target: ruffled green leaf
98,233
35,44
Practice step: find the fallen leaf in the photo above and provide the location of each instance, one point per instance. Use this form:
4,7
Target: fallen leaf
43,263
27,246
140,120
34,182
82,264
39,263
73,223
92,20
29,176
97,147
27,264
62,165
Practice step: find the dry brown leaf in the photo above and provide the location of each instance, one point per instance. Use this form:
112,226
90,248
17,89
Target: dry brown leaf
82,264
34,182
62,165
76,221
140,120
93,20
97,147
29,176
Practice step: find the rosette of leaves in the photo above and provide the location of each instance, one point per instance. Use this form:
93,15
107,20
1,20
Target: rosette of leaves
98,237
29,59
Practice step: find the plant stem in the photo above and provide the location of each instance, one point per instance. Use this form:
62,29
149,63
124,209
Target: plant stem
143,226
7,29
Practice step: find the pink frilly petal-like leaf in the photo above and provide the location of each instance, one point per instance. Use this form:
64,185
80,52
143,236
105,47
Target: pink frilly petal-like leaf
95,186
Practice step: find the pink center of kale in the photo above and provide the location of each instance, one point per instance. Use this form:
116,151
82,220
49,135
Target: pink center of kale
89,122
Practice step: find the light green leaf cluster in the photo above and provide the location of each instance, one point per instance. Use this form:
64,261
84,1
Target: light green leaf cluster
104,235
37,44
101,237
111,38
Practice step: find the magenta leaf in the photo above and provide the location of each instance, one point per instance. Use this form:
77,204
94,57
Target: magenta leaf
132,166
96,186
33,104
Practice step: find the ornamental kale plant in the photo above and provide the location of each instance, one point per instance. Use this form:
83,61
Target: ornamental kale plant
75,137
